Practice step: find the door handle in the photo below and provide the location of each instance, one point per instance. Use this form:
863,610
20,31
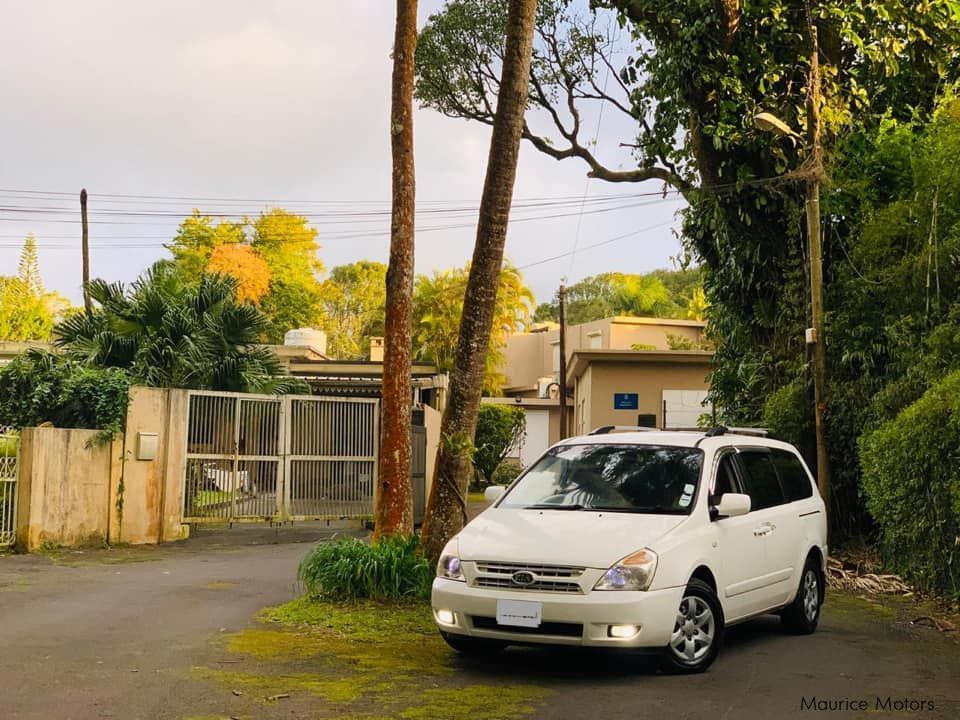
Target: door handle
764,529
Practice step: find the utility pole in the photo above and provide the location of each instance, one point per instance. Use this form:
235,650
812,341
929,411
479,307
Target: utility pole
816,342
84,244
562,382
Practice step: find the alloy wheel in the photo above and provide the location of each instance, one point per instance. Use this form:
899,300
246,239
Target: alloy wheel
693,631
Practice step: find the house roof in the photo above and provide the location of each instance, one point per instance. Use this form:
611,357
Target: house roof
582,359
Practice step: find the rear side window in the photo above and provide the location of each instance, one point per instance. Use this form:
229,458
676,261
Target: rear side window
793,476
760,478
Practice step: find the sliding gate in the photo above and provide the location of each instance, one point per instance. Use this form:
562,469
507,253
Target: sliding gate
267,457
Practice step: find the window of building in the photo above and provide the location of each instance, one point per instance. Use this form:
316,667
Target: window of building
595,340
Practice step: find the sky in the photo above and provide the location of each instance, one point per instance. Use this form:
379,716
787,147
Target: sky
274,103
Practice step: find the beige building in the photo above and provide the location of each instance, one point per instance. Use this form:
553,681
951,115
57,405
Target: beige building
620,371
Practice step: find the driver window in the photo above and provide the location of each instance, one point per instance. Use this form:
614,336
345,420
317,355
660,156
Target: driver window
725,481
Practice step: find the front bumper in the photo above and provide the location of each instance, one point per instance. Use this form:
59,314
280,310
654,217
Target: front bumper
475,612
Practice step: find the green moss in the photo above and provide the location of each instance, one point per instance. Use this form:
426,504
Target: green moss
476,702
341,690
360,621
367,661
220,585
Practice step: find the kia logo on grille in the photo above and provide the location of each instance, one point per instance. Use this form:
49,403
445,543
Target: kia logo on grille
522,577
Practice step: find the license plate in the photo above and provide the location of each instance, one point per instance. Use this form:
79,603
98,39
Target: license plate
519,613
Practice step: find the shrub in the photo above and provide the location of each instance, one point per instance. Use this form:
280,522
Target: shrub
506,472
499,428
350,569
911,477
787,413
38,388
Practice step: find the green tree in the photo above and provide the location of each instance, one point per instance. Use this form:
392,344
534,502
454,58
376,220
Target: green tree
438,307
353,301
696,75
27,310
167,333
288,245
499,429
661,293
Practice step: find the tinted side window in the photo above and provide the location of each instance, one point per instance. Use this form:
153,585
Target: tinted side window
793,478
725,481
763,485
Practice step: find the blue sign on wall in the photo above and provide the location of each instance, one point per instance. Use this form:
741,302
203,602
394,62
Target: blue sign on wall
626,401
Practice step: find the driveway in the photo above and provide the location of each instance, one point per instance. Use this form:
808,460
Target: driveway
116,634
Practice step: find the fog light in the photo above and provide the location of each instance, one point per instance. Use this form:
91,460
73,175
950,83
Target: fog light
445,617
623,631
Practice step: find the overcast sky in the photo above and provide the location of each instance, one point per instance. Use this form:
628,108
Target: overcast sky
268,101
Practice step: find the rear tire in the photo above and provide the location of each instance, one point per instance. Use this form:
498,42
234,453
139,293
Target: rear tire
473,647
802,615
697,631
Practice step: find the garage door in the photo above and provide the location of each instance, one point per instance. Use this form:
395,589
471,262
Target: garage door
538,436
683,408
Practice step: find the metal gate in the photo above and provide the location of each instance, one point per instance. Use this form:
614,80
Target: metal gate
9,453
264,457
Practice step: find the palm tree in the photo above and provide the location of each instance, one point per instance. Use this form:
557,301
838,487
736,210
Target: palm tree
167,333
446,509
394,512
641,296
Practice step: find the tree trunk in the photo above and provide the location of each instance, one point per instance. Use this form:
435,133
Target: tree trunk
394,512
446,509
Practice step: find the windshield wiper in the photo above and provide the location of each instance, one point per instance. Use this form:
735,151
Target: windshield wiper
640,510
549,506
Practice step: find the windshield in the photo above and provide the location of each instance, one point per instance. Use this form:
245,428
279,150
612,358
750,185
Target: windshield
616,478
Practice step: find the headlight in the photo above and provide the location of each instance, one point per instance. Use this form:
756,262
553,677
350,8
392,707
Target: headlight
449,565
634,572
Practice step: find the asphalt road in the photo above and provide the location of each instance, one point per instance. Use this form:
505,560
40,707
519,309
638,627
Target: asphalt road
108,636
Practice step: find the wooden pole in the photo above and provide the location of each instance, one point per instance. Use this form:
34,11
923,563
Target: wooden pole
562,382
818,348
85,248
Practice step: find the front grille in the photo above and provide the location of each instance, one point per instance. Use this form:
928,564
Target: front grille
546,628
542,571
546,578
506,582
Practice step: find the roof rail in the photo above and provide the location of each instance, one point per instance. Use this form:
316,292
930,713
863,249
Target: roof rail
606,429
724,430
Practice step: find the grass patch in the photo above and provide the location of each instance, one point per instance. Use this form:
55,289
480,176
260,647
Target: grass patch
350,569
477,702
476,497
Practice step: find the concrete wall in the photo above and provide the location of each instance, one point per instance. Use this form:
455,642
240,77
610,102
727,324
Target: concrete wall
596,388
66,478
70,482
153,489
431,420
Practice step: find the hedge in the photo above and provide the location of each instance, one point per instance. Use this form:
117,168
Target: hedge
911,478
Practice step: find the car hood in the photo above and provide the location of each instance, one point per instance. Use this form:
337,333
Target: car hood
561,537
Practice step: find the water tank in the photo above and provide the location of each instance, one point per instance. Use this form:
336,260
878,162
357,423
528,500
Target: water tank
316,340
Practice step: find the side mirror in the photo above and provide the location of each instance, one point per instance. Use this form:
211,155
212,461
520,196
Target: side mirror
731,505
494,493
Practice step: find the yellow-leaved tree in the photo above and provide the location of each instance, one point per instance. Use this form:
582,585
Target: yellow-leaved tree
246,266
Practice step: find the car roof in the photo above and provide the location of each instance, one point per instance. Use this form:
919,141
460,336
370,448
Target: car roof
678,438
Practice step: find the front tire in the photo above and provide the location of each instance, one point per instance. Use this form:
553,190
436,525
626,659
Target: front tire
697,631
473,647
803,614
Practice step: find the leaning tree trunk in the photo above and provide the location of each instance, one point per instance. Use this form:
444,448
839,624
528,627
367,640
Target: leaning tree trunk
447,508
394,512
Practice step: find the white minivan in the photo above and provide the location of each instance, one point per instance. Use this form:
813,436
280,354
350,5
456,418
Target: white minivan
653,540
